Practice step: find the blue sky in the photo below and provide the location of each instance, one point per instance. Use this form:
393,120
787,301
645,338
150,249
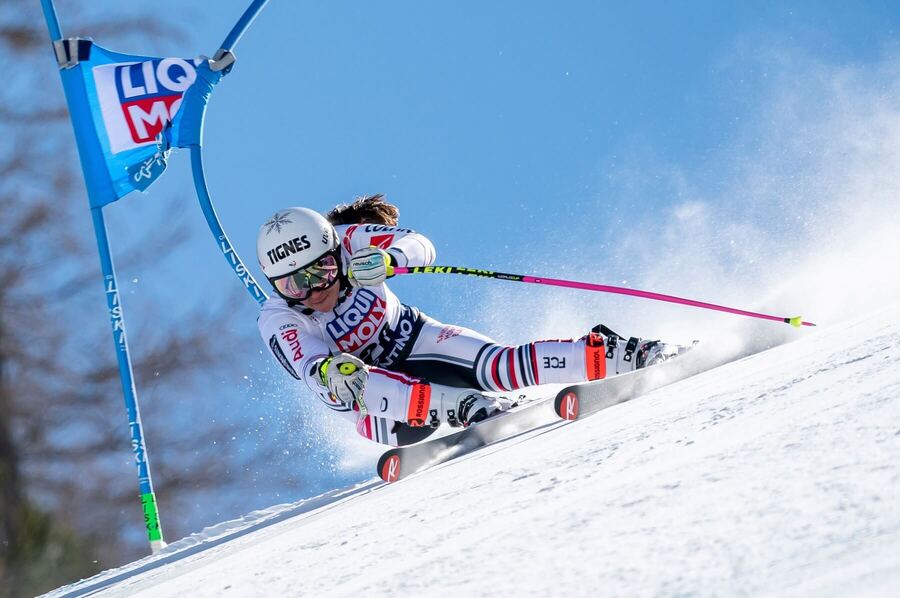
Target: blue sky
620,144
495,126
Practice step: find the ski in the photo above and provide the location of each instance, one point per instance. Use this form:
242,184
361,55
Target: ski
580,400
572,402
402,461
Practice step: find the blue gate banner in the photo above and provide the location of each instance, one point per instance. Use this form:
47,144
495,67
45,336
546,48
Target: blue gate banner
121,106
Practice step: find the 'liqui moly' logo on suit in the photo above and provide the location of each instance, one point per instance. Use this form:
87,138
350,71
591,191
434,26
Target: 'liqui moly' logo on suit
358,323
138,99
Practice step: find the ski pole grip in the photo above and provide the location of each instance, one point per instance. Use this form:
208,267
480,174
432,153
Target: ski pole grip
346,368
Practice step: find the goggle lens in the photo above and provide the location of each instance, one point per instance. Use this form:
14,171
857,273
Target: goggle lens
301,284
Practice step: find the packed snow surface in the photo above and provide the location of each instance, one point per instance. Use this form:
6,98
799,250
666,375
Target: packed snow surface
778,474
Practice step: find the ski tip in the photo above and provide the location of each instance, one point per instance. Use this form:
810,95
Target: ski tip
390,469
568,406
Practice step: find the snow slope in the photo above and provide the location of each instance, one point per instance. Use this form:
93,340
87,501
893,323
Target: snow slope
778,474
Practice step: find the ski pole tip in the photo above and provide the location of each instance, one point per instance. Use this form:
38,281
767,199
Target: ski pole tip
797,322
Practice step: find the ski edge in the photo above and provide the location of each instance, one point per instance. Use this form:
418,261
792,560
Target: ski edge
392,467
581,400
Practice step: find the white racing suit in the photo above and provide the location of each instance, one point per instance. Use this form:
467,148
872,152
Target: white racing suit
406,350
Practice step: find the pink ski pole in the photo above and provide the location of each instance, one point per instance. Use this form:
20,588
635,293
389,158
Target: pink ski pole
796,321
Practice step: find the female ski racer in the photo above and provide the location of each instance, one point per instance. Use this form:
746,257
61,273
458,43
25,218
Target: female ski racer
397,373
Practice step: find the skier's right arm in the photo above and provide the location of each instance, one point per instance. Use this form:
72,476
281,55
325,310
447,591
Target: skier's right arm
303,353
297,349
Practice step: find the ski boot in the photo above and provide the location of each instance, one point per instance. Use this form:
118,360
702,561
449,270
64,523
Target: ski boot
626,355
463,406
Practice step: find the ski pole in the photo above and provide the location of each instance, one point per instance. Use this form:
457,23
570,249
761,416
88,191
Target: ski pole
347,369
796,321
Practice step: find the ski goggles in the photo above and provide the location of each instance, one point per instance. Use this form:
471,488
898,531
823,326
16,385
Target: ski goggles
301,283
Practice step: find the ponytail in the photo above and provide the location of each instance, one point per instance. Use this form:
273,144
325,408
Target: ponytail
368,209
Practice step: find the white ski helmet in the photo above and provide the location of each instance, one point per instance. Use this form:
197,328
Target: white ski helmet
292,239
